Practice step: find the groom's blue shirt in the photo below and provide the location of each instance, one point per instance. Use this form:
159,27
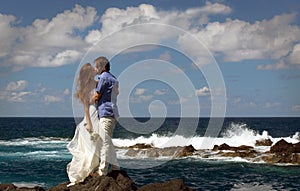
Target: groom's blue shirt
107,105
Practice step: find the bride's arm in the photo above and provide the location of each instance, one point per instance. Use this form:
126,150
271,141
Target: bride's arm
87,116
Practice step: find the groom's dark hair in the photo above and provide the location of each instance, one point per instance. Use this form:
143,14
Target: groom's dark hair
102,62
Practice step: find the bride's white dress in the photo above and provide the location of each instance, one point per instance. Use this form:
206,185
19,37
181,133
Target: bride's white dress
85,151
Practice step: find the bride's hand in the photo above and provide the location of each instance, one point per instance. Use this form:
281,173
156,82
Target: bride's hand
88,127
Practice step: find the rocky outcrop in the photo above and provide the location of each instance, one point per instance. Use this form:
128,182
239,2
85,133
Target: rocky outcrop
283,152
224,146
185,151
284,147
117,181
176,184
11,187
114,181
152,152
140,146
264,142
241,151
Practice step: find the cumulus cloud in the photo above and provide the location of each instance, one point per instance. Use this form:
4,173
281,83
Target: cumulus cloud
203,91
115,19
160,92
239,40
15,92
166,56
294,57
16,86
66,92
140,91
47,43
51,99
64,38
295,108
8,34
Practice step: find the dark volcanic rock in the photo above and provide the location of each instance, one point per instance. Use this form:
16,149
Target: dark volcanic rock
265,142
292,158
173,185
242,154
119,181
224,146
283,152
11,187
185,151
297,147
175,152
116,181
140,146
282,147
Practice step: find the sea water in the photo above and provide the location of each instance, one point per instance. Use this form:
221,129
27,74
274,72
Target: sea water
33,152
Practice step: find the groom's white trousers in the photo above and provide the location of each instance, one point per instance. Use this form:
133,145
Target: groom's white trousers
107,150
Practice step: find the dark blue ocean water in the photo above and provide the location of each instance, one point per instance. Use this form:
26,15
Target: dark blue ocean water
33,152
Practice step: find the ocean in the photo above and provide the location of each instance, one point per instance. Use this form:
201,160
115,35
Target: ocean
33,152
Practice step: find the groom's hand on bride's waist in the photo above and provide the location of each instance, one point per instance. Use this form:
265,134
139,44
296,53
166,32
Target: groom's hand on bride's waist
96,97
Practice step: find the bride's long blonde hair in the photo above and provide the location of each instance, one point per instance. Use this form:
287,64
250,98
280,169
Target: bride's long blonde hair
85,82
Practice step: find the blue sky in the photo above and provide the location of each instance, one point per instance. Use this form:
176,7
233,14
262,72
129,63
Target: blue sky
253,46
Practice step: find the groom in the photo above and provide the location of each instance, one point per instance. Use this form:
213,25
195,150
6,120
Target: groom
106,95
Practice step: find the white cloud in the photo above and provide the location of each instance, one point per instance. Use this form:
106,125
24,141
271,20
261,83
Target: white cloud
49,43
280,65
8,34
140,91
237,100
166,56
13,92
115,19
294,57
239,40
203,91
59,41
16,86
66,92
145,97
160,92
51,99
269,105
295,108
18,96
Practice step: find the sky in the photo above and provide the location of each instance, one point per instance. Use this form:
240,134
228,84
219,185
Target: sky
173,58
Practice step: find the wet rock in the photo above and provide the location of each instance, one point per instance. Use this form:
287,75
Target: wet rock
224,146
185,151
291,158
242,154
119,181
173,185
282,147
297,147
11,187
141,146
174,152
264,142
283,152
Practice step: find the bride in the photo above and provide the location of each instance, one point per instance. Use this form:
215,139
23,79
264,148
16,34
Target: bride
84,146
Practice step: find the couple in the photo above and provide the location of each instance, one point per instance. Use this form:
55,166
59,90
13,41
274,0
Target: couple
93,136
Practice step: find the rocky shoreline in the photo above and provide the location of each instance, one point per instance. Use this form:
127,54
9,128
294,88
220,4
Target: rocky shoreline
279,153
114,181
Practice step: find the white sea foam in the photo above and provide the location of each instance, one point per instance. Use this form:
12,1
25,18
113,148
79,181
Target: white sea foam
34,141
28,184
236,135
254,186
